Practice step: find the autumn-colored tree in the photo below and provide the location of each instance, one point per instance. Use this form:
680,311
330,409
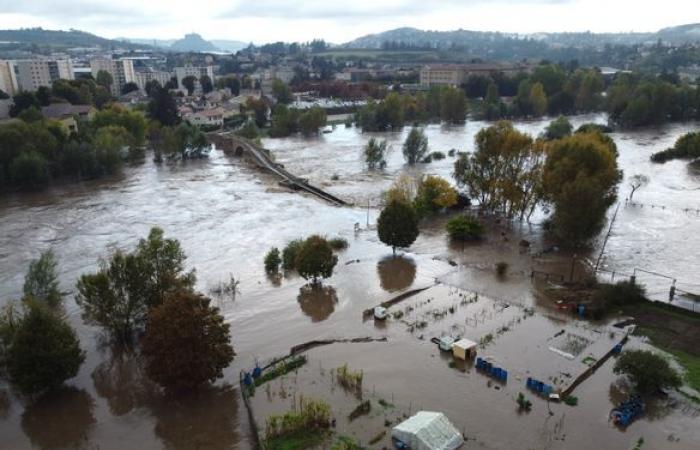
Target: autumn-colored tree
434,193
403,190
397,225
503,174
187,343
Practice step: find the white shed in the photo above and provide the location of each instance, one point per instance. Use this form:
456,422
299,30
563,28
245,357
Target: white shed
428,431
464,349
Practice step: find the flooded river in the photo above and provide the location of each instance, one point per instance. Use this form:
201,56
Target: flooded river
227,215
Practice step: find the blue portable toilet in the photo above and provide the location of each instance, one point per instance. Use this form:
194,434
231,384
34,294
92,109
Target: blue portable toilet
581,310
504,375
257,372
247,379
617,349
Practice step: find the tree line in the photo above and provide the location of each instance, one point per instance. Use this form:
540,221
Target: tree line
143,300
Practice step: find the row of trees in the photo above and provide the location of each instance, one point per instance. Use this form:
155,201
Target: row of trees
35,150
287,121
446,103
511,173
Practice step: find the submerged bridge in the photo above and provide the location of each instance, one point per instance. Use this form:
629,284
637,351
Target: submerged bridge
238,146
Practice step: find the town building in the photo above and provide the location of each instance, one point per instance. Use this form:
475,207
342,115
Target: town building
31,74
68,115
122,71
193,71
208,117
8,80
146,76
457,74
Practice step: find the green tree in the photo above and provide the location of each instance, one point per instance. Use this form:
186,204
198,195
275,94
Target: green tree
206,83
374,154
104,79
30,170
285,121
453,105
22,101
162,107
648,371
538,100
464,228
311,121
259,109
44,351
41,281
118,296
580,179
43,94
130,87
187,343
397,225
31,115
415,148
249,130
273,261
108,143
189,83
558,128
282,93
315,259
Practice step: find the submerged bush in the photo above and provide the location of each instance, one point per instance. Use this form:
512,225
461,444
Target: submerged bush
272,260
465,228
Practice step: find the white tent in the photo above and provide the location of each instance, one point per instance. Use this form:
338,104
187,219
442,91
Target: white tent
428,431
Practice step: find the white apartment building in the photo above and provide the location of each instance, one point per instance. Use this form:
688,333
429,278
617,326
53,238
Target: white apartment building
122,71
192,71
31,74
152,75
8,80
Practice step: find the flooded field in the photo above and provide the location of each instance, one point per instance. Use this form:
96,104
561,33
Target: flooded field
227,215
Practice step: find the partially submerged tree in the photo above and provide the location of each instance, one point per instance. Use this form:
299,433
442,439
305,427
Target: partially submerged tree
558,128
464,228
648,372
636,182
44,351
434,193
397,225
41,281
504,172
187,342
375,151
416,146
315,259
118,296
273,261
580,179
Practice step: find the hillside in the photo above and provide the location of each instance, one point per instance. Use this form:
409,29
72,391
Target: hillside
193,43
413,37
62,39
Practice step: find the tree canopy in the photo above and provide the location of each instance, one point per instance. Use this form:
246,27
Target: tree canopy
315,259
397,225
187,343
415,148
41,281
647,371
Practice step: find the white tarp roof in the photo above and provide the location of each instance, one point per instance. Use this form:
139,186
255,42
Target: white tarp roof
428,431
465,344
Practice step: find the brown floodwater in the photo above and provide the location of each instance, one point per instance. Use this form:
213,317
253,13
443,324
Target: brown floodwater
227,215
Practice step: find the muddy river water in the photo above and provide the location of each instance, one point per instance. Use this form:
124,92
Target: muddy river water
226,215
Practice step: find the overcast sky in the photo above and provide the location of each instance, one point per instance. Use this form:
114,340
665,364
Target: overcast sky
337,21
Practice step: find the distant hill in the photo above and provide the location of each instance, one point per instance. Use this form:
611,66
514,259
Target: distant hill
63,39
230,46
193,43
413,37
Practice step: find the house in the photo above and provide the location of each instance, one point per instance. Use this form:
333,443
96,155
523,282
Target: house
66,114
208,117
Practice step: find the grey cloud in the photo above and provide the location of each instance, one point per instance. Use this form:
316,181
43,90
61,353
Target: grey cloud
325,9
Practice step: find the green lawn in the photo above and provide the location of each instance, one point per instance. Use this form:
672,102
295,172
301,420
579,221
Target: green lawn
301,440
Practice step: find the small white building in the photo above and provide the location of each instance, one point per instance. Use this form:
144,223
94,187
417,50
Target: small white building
208,117
428,431
464,349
